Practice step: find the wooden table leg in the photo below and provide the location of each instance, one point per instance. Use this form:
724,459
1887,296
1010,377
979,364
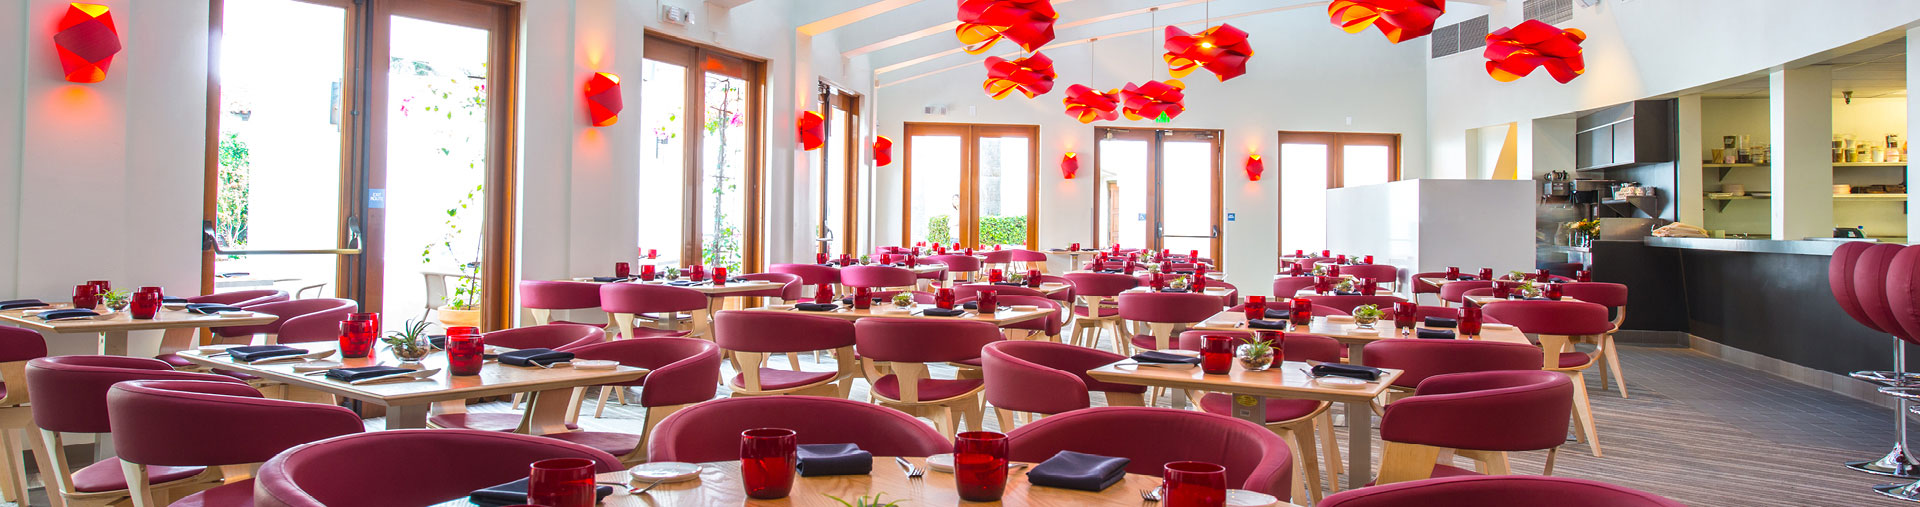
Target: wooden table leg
406,417
1353,352
113,343
547,412
1359,443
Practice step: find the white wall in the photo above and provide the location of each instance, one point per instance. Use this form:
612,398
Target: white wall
1418,225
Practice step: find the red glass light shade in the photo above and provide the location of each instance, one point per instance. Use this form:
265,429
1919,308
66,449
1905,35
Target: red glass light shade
1399,19
603,99
1028,23
1031,76
882,151
1222,50
1069,165
86,40
1514,52
812,129
1087,104
1255,167
1155,100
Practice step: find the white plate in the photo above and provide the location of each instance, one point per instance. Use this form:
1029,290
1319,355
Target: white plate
666,472
1340,382
318,365
234,315
891,311
583,278
1362,330
1244,498
1182,352
780,307
213,349
595,364
174,306
1025,308
1497,327
940,462
1340,318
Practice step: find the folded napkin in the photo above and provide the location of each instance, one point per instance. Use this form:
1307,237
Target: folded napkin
1072,470
608,279
363,373
1158,357
1279,314
1107,271
817,307
173,300
258,352
1180,272
1267,324
833,459
1346,370
210,308
535,357
515,493
937,312
1440,322
1346,293
70,313
1439,334
1466,278
1171,289
21,303
1011,284
684,283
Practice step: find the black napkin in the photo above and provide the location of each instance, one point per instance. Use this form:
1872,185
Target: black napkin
70,313
364,372
608,279
1440,322
1346,293
535,357
515,493
971,305
817,307
1171,289
1158,357
1267,324
937,312
21,303
833,459
210,308
684,283
1011,284
1177,272
1467,278
1346,370
1439,334
1072,470
258,352
173,300
1108,271
1279,314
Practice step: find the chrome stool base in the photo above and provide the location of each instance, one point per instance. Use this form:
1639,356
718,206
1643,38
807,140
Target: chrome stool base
1909,491
1894,464
1888,378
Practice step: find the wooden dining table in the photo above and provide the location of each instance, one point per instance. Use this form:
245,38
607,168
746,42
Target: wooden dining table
1000,318
1344,330
1309,292
112,329
720,484
1487,300
410,402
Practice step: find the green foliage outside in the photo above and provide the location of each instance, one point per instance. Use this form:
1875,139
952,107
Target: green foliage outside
994,230
230,213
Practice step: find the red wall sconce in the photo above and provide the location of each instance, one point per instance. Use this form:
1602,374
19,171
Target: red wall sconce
813,130
1255,167
1069,165
87,41
603,99
882,151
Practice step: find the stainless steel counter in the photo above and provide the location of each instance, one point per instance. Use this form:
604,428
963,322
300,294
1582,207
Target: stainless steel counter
1800,247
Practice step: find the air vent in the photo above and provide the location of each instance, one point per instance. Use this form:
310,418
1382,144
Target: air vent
1446,40
1549,11
1458,37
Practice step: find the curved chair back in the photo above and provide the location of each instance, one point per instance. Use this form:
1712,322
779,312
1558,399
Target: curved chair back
1870,282
1611,295
1232,297
682,370
1567,318
1021,255
1348,303
243,298
972,290
711,431
550,336
1452,291
1421,287
1296,346
1484,411
301,320
150,416
1168,307
996,257
1050,326
637,298
775,332
1066,296
1045,377
810,274
957,263
17,346
1255,458
1318,310
1307,263
1101,284
1903,291
70,392
1445,312
360,469
874,277
1421,359
1476,491
788,290
1380,273
1840,280
922,340
559,295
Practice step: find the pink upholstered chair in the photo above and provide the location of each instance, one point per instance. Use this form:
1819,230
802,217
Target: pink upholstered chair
17,346
1255,458
811,275
1421,287
1165,314
960,267
1097,310
1232,297
1305,424
1382,274
301,321
1348,303
541,298
663,304
150,416
1478,491
360,469
70,396
1453,291
1307,263
930,277
711,431
1614,297
550,336
1558,323
1318,310
877,277
1047,328
1285,287
749,337
788,290
175,340
904,346
1029,259
243,298
1419,359
991,259
682,373
1067,297
1048,378
1480,416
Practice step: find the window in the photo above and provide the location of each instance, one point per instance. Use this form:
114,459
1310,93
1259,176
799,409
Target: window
700,171
1159,189
971,184
1311,163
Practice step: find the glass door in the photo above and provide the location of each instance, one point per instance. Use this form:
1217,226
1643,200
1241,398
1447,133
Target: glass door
1311,163
839,174
972,184
1159,189
936,162
700,171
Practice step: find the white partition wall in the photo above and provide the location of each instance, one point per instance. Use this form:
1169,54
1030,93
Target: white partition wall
1429,224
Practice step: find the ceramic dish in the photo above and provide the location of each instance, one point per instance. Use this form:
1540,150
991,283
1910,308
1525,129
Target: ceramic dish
1344,319
323,364
595,364
1497,327
940,462
1244,498
1340,382
234,315
1025,308
666,472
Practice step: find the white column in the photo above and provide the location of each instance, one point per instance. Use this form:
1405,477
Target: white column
1800,107
1689,189
1913,125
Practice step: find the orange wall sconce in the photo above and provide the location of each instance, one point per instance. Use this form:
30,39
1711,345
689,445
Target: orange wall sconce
882,151
1255,167
86,40
603,99
813,130
1069,165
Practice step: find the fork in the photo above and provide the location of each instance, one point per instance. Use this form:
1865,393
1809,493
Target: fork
1152,495
913,472
642,491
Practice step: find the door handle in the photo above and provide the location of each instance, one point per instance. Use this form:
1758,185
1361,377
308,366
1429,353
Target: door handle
354,239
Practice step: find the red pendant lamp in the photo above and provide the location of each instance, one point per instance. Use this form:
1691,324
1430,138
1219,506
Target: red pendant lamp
1399,20
1161,101
86,40
1028,23
1030,76
1514,52
1221,49
1087,104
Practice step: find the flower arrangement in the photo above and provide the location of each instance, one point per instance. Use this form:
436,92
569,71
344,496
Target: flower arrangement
1585,231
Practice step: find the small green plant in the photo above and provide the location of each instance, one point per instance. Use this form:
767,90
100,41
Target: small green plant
672,273
865,260
1345,285
116,298
1528,289
1255,348
865,501
410,341
1319,270
903,299
1368,312
1178,283
1517,275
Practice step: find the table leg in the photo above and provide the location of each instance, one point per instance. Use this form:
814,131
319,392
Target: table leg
547,412
1250,408
113,343
406,417
1359,444
1178,400
1353,352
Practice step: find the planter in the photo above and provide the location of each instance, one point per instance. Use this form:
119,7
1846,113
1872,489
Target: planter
1252,362
449,317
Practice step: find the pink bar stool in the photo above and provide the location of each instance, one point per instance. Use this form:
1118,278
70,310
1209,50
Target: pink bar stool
1255,459
905,346
150,416
1481,416
541,298
664,305
681,373
1300,422
711,431
749,337
359,469
70,396
1097,310
1898,301
1477,491
1047,378
1165,314
1558,323
1614,297
550,336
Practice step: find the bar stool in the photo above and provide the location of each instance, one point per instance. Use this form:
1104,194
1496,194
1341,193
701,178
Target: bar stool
1558,323
1858,272
905,346
1097,310
1166,314
1901,301
541,298
666,304
1614,297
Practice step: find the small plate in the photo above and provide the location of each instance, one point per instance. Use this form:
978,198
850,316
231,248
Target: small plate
583,278
317,365
1362,330
1497,327
595,364
940,462
780,307
1025,308
213,349
234,315
174,306
891,311
1244,498
1340,382
1182,352
667,472
1343,319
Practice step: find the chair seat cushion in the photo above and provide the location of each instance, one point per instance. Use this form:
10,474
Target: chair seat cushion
239,494
175,360
617,444
1444,471
105,475
975,362
1146,341
1104,311
1277,409
931,389
1574,359
503,422
235,374
589,324
775,379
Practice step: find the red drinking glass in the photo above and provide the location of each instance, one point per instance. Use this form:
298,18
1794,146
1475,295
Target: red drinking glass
1194,484
1199,270
356,338
980,465
150,288
956,245
1469,321
464,350
1369,287
1256,307
1157,281
1033,278
1199,284
1322,284
1302,312
86,296
1194,255
145,304
646,272
820,258
995,275
1453,273
561,482
1486,273
1500,290
943,298
1584,276
1299,254
697,273
1404,314
1543,275
101,286
653,254
1273,337
1295,270
719,275
1340,259
1074,247
767,459
1216,355
1116,249
862,298
996,248
988,301
1326,253
1367,260
622,270
1130,266
969,251
1552,291
1333,270
823,294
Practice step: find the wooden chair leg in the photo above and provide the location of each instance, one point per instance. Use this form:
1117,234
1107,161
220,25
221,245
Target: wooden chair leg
1402,462
943,421
1551,455
139,488
1611,366
1005,418
15,480
1302,437
1330,445
1583,414
600,405
973,414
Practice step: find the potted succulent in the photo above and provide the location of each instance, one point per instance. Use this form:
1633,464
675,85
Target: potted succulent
1344,285
1527,289
1017,278
864,260
1366,315
1255,355
903,300
863,501
1178,283
117,299
1518,275
671,274
1319,270
409,344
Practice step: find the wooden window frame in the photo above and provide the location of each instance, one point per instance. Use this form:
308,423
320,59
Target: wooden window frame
830,97
696,58
1336,143
970,135
1156,172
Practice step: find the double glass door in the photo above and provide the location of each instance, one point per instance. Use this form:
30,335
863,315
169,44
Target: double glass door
699,166
971,184
1159,189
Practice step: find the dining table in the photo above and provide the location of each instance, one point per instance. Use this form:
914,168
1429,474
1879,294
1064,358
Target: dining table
701,320
552,390
1487,300
1343,329
1073,256
719,483
112,328
1004,317
1309,292
1211,291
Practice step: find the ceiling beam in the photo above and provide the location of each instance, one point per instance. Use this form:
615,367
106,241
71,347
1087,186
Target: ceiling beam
852,16
946,27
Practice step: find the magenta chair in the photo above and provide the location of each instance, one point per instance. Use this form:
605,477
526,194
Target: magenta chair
1255,459
1478,491
1308,263
972,290
749,337
17,347
877,277
1418,359
1382,274
1421,286
711,431
301,321
1049,327
811,275
996,258
1029,259
360,469
1318,310
1481,416
1558,323
905,346
662,304
1066,297
1232,297
1348,303
681,372
962,267
150,416
1164,313
244,298
1445,312
1453,292
1307,425
541,298
1614,297
550,336
932,276
1097,310
1286,287
1048,378
788,289
70,396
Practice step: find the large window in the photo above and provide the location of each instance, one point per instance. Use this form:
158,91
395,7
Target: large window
700,155
1159,189
1311,163
839,174
971,184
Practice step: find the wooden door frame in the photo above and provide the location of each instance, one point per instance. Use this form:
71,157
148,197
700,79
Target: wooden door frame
968,214
754,71
1156,174
1336,177
831,96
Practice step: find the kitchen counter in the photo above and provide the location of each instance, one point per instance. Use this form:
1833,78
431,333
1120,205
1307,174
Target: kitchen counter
1799,247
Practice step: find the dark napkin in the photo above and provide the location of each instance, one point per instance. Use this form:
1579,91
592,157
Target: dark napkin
1011,284
1441,322
1171,289
70,313
1108,271
258,352
1439,334
173,300
817,307
515,493
608,279
1466,278
937,312
21,303
1072,470
1346,370
1279,314
210,308
684,283
833,459
1267,324
364,372
1157,357
535,357
1346,293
